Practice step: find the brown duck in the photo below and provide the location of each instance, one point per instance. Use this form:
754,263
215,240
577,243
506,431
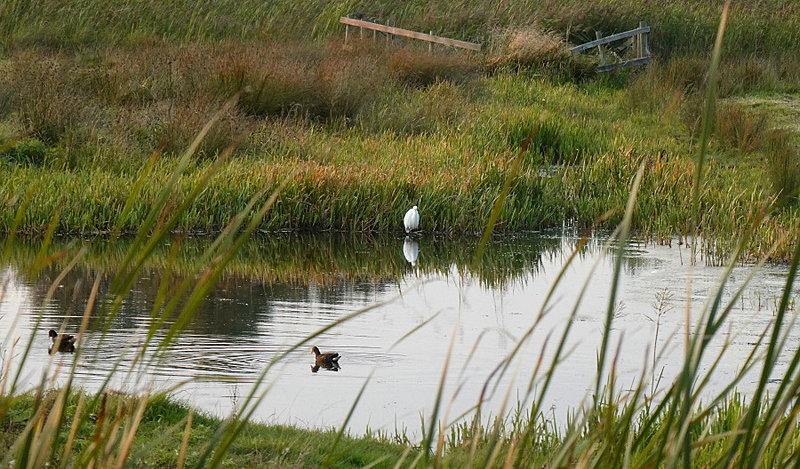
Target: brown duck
61,342
329,361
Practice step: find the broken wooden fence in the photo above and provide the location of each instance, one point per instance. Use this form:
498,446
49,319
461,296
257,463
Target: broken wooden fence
640,45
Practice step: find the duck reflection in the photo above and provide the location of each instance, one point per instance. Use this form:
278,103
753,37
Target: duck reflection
327,361
411,250
333,366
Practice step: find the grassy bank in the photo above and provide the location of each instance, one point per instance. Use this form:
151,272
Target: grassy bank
361,132
447,151
94,429
169,434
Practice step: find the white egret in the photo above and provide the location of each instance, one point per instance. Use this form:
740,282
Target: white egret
411,220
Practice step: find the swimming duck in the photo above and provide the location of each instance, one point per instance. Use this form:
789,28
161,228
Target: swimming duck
61,342
329,361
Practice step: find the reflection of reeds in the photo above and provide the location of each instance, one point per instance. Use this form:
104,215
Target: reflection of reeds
298,259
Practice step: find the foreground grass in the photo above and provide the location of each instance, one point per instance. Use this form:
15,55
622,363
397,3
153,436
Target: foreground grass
163,438
158,441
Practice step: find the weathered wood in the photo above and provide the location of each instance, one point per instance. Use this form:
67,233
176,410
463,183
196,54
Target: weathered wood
607,39
637,45
627,63
390,30
599,35
645,46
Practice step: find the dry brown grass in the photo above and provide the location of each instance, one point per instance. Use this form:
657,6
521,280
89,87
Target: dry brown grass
533,48
43,97
782,152
419,68
158,94
740,127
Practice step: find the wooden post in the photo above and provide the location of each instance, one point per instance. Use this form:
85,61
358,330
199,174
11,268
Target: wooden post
346,32
430,44
598,35
640,42
361,33
637,46
645,46
374,36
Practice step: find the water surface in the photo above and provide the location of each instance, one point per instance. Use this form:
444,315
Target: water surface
283,288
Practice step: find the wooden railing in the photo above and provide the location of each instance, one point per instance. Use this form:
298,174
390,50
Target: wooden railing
390,30
640,45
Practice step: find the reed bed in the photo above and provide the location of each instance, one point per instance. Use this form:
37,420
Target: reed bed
81,136
365,130
684,26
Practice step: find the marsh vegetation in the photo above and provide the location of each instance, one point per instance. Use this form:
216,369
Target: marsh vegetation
360,132
152,119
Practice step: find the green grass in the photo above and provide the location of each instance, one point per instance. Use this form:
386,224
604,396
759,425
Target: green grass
445,148
681,27
163,425
530,440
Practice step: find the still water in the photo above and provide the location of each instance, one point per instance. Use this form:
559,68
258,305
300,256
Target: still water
283,288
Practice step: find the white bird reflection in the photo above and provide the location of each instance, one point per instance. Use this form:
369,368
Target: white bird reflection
411,251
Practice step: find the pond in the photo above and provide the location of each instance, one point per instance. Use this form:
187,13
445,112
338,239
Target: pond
415,299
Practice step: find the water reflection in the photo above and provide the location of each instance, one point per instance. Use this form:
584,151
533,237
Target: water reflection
329,366
411,250
303,259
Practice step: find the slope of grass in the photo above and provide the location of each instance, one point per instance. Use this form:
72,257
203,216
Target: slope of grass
161,431
522,439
